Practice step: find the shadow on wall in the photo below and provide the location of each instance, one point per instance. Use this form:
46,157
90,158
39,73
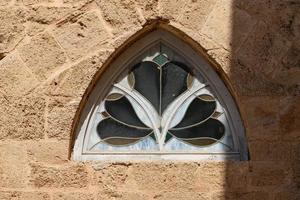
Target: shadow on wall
265,68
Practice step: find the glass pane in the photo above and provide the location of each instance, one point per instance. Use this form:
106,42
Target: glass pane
147,82
173,83
197,111
109,128
160,59
122,110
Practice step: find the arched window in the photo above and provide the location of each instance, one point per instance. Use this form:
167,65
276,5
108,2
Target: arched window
160,100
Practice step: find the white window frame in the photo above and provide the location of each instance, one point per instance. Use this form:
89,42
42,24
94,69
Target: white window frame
120,66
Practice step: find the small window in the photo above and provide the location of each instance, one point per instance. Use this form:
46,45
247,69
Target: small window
160,100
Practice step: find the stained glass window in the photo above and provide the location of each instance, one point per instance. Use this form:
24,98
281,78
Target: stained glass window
160,105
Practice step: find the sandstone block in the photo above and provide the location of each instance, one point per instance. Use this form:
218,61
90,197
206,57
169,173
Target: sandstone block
261,117
171,10
82,35
5,2
16,78
267,174
32,2
48,152
195,13
12,28
71,176
177,195
16,195
73,196
61,112
75,81
253,195
42,55
228,25
22,117
14,168
48,14
149,8
120,15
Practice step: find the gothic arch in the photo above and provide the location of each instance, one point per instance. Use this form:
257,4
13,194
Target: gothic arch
119,64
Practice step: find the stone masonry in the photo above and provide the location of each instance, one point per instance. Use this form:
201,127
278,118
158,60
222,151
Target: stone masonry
52,50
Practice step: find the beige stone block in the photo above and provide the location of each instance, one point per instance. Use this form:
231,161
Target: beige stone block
195,13
74,82
14,168
22,118
16,78
82,35
222,21
17,195
61,112
144,176
71,176
240,195
42,55
52,153
148,8
48,14
236,175
179,195
72,196
4,2
172,9
12,28
33,2
120,15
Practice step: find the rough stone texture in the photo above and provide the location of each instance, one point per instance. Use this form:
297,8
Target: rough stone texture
50,51
82,34
42,55
16,78
14,168
12,29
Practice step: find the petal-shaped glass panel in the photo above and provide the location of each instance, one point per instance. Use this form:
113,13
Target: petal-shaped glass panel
173,83
147,81
198,111
211,128
109,128
122,110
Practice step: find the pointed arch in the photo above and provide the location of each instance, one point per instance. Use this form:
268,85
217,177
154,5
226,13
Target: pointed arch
144,48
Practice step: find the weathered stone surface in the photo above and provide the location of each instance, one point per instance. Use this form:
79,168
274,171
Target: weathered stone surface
42,55
33,2
71,176
81,35
48,14
74,82
16,195
61,112
220,25
73,196
21,117
176,195
120,15
195,14
4,2
14,168
253,195
267,174
261,117
148,8
171,10
48,152
16,78
12,29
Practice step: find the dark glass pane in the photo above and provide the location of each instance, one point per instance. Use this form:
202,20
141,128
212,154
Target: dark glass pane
123,111
173,83
211,128
109,128
160,59
197,111
120,141
168,137
200,141
147,82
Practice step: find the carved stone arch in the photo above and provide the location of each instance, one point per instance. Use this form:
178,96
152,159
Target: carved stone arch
121,63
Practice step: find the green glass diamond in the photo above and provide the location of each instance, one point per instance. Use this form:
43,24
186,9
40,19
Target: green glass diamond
160,59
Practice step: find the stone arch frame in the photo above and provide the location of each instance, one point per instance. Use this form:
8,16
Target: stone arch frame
152,32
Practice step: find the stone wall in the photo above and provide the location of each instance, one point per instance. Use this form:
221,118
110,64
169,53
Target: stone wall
50,50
